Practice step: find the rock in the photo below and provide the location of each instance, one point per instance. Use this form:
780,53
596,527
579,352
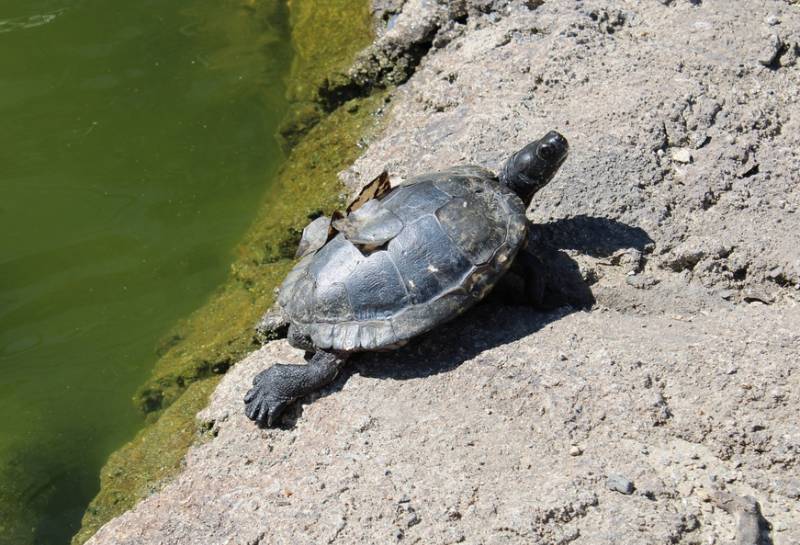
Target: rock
757,295
685,489
751,527
641,281
771,51
629,258
682,155
620,484
699,139
693,250
704,495
575,450
431,429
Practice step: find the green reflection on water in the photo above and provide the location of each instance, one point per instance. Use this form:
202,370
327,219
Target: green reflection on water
136,139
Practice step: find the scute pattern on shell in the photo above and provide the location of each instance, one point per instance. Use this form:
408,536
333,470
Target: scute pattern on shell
460,232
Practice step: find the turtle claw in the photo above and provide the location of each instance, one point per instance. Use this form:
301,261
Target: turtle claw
263,403
263,407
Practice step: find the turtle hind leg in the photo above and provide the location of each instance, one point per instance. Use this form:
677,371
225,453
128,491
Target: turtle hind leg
277,387
272,325
300,340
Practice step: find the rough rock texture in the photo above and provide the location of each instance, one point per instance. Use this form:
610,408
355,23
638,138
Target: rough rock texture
667,413
449,441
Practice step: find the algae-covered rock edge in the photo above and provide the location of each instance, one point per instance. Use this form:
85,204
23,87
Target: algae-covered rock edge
192,357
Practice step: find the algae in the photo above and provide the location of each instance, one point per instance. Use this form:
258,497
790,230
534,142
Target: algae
324,34
326,39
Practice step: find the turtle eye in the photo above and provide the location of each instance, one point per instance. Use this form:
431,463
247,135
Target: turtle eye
546,152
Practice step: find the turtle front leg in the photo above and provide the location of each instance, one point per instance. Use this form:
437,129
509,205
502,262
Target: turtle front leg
523,284
534,276
275,388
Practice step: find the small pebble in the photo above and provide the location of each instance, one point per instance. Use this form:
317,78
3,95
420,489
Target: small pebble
699,140
575,450
620,484
682,155
771,50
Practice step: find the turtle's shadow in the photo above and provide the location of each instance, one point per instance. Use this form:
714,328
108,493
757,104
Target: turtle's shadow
448,346
596,237
497,322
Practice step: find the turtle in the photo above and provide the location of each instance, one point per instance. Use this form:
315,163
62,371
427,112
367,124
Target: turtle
402,261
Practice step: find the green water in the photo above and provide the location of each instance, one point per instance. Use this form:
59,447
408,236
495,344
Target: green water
136,142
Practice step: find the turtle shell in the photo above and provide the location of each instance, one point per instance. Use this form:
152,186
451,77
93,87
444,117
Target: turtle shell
411,260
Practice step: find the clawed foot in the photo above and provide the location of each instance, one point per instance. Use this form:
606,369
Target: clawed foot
265,401
276,387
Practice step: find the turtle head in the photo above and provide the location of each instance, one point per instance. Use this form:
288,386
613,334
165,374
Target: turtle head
529,170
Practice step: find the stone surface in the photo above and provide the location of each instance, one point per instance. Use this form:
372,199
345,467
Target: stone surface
469,431
682,376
